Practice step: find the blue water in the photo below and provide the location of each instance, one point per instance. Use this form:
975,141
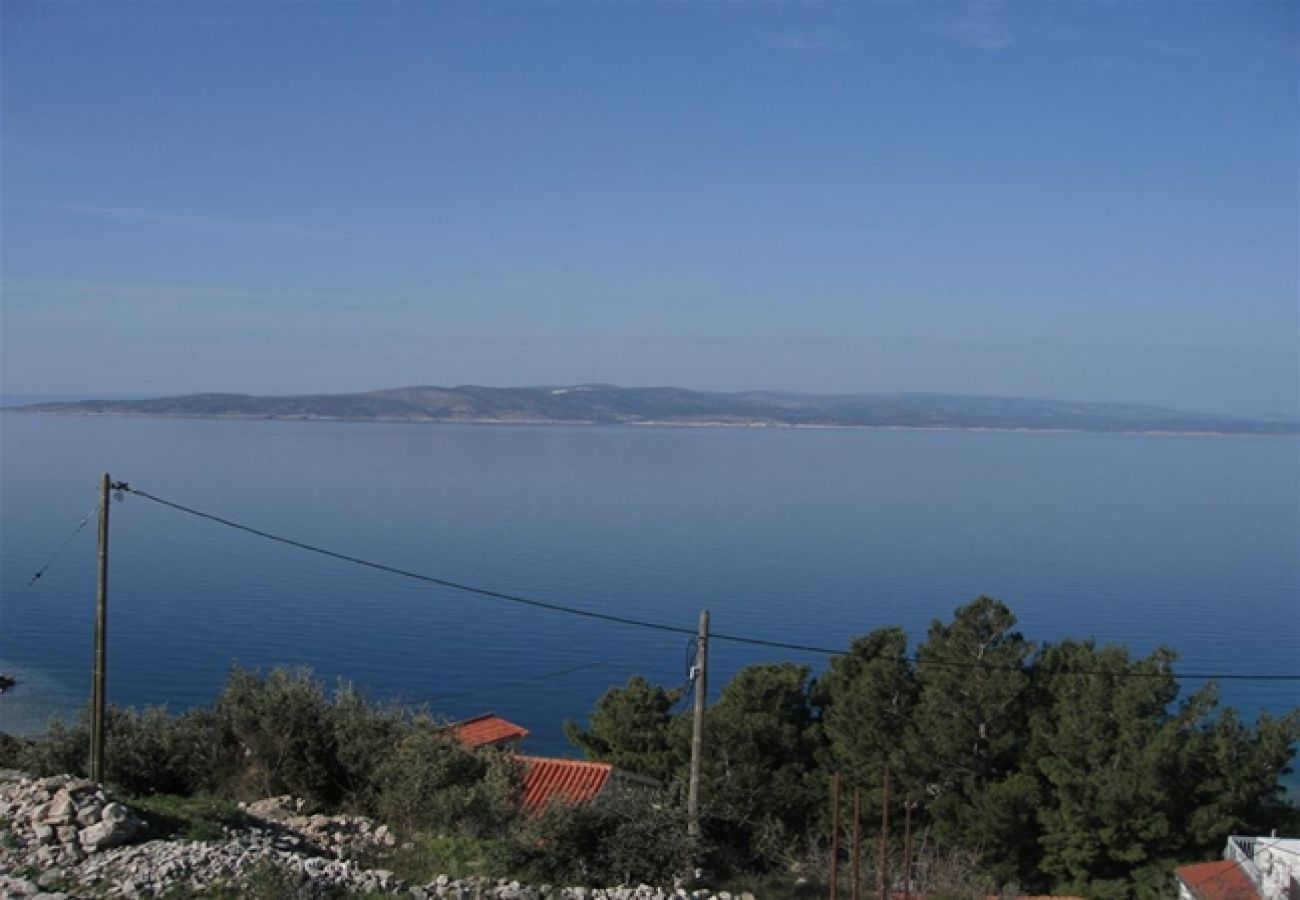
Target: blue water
808,536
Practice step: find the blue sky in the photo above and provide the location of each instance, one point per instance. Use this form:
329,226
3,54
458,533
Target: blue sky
1074,200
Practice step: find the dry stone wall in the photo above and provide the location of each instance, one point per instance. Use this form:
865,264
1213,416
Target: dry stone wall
64,837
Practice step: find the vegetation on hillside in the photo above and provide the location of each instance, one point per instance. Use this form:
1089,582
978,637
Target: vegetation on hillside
284,733
1070,767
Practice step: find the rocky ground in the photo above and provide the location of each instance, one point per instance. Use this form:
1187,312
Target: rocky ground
65,837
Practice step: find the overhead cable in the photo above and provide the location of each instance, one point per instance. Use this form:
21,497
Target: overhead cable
517,682
927,660
40,573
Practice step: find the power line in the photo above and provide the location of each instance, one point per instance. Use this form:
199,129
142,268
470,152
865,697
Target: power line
405,573
472,589
59,552
1030,669
559,673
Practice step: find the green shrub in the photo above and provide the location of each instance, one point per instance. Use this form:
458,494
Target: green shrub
628,836
153,752
64,749
13,751
279,727
364,735
289,737
431,782
146,752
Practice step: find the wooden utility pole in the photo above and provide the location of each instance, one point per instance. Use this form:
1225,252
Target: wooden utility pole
700,676
98,688
835,834
907,848
883,876
857,840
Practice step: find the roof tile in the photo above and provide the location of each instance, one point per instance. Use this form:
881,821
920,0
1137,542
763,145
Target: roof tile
1220,880
486,730
573,782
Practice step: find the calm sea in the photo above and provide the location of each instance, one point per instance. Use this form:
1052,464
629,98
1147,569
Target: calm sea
807,536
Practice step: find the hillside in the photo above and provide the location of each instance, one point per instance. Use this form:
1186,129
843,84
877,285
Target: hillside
608,404
68,837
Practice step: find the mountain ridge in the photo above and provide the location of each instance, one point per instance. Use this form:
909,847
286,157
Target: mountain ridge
596,404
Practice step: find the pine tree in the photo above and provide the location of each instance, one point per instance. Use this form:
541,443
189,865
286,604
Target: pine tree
866,699
969,730
632,727
760,750
1106,749
1232,778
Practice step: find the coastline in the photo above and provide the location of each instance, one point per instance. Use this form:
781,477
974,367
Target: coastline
657,423
37,697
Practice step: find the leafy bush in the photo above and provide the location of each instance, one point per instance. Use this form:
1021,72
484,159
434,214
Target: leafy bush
64,749
154,752
628,836
364,736
279,726
432,782
13,751
288,736
146,752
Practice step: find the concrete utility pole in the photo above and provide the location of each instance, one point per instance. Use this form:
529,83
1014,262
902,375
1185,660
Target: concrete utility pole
98,688
700,676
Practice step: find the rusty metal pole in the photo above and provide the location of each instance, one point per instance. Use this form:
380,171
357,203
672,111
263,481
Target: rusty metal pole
857,840
907,848
882,878
835,833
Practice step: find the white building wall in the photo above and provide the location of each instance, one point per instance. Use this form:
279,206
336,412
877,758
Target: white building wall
1278,862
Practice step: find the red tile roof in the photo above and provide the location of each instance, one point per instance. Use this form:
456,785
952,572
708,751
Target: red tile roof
486,730
1221,880
573,782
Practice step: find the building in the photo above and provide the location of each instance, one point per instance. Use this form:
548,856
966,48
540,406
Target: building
1252,868
572,782
546,779
1222,879
490,730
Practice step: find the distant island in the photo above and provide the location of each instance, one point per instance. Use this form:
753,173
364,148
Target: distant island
608,404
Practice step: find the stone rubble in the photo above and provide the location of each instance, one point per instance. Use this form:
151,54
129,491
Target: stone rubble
341,835
63,819
63,837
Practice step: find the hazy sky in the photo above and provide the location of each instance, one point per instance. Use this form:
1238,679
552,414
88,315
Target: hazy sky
1091,200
